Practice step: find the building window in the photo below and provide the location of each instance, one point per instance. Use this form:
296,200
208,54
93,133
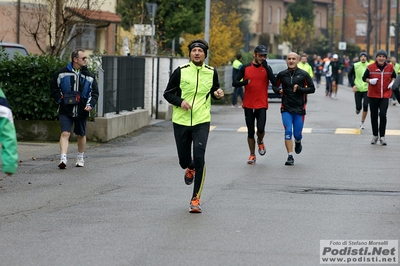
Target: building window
392,30
363,3
319,18
361,28
278,20
393,3
86,38
270,14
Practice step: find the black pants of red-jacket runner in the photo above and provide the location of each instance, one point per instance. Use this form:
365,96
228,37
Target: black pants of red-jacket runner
187,137
378,109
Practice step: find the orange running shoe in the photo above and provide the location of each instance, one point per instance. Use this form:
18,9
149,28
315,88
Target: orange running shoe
195,205
189,176
261,149
252,159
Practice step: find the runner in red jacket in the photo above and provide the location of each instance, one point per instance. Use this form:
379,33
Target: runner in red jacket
256,76
380,77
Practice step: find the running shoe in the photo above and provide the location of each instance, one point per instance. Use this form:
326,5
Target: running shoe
290,160
374,140
189,176
362,125
80,162
261,149
194,206
297,147
357,111
383,141
252,159
62,164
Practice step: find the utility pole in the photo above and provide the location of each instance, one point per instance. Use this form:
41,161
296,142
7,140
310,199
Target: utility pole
396,33
388,28
207,27
332,27
152,9
369,27
343,24
375,27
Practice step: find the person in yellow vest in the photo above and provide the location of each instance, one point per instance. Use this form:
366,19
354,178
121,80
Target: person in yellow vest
303,64
238,91
190,89
360,88
396,65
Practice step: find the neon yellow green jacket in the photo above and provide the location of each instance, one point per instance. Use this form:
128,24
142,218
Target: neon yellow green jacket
306,67
397,68
359,70
8,138
196,85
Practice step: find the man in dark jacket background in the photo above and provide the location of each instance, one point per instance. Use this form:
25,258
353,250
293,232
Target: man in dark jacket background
75,89
296,84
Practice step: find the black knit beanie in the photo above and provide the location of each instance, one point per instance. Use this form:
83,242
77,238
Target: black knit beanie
381,52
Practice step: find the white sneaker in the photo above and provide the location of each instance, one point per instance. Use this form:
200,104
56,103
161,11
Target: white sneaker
80,162
62,164
362,126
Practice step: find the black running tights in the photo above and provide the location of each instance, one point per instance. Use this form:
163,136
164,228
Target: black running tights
197,135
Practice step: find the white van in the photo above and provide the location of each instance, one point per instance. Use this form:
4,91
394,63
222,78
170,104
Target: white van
13,48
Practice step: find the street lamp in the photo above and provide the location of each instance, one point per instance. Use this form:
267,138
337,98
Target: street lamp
151,9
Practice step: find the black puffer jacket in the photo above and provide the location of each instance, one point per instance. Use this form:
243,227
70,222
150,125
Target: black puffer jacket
294,102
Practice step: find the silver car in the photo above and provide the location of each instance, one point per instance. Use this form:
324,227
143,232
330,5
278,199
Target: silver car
277,66
12,48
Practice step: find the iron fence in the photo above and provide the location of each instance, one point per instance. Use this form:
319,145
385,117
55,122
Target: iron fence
123,83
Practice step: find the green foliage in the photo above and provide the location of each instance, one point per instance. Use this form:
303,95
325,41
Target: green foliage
352,50
26,83
297,33
247,57
319,46
224,36
241,7
302,9
132,12
177,17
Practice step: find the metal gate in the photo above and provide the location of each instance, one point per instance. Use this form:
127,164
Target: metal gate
124,78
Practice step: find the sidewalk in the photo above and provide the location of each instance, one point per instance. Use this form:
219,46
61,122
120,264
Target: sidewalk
30,150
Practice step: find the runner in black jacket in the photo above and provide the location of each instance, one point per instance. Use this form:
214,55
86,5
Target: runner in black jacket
296,84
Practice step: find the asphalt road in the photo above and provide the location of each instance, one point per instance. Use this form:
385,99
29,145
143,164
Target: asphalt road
129,204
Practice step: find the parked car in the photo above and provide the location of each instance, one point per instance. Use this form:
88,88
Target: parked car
12,48
277,66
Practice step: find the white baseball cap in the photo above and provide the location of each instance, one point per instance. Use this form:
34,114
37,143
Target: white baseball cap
336,56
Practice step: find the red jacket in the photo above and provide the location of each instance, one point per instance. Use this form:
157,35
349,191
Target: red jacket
256,92
380,89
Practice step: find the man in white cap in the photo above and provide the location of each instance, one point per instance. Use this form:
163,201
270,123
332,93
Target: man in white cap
336,71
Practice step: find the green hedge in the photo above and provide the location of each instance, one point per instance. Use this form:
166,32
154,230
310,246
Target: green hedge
25,81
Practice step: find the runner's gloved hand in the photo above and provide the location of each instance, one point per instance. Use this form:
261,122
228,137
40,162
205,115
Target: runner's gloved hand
373,81
390,85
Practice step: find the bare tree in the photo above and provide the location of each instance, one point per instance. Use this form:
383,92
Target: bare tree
52,24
